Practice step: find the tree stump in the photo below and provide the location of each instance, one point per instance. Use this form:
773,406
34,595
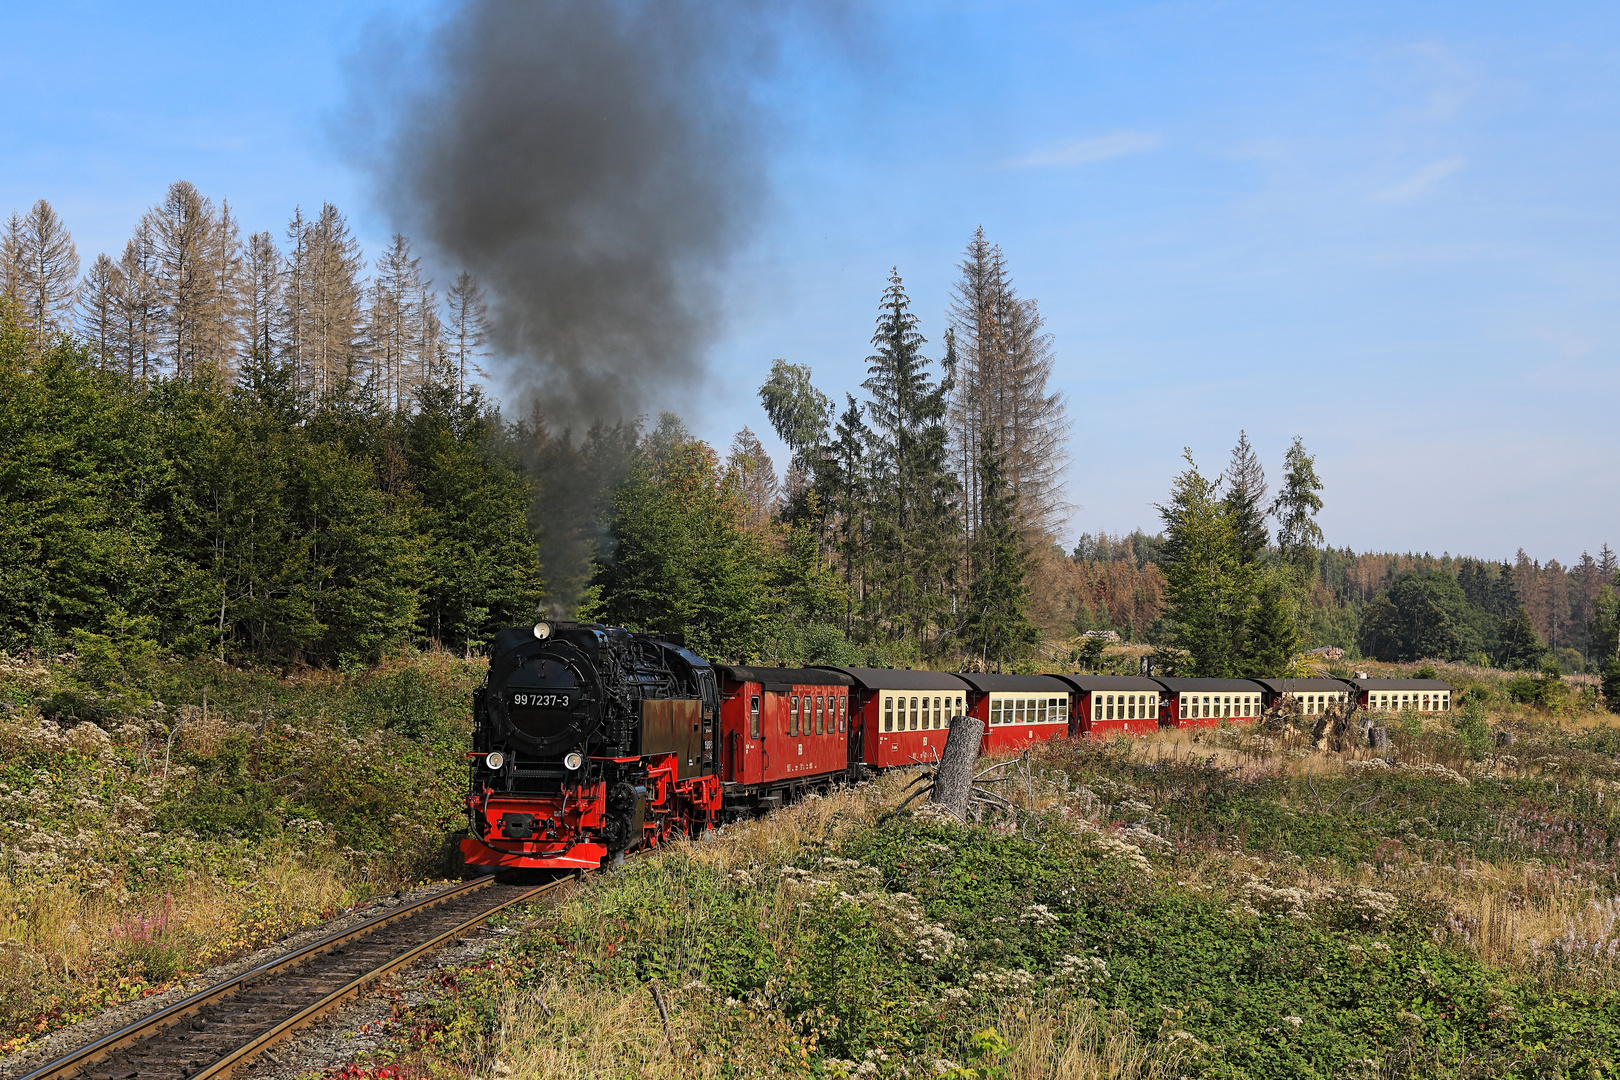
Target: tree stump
953,777
1378,739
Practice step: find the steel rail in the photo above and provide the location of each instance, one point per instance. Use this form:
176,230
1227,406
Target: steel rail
227,1064
166,1018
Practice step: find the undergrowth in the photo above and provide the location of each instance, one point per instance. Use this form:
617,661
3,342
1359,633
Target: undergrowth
1167,907
160,817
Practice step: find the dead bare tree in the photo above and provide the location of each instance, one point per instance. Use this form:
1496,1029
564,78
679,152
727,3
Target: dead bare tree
951,783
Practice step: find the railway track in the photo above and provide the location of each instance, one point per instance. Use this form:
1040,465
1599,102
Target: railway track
221,1029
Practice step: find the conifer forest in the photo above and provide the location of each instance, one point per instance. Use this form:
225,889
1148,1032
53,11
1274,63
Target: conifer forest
279,449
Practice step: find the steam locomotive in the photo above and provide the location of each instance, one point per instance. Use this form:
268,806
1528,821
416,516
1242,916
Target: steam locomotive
590,740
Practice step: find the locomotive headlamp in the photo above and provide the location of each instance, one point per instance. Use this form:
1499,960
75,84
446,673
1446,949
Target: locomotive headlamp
573,760
542,630
494,760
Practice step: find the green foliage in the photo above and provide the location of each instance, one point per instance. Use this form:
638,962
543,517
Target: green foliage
1520,647
909,558
1421,615
1235,617
803,586
679,562
797,410
244,524
1470,724
1209,593
480,565
77,480
996,627
1296,507
1605,645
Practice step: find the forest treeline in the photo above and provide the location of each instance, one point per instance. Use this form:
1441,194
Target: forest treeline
1119,588
256,450
253,450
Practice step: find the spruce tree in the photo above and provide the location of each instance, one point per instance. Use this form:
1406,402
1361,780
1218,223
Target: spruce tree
1211,590
1295,509
1520,647
1245,480
996,627
913,495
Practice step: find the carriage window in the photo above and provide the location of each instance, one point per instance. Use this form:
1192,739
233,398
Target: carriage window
995,711
793,715
843,704
1206,706
821,703
753,717
913,714
939,710
1183,710
888,714
1110,707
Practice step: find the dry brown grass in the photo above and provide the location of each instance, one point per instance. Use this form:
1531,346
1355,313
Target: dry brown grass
1513,914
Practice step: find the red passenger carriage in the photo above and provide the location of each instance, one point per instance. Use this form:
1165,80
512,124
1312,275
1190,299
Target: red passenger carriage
1107,705
781,730
1192,703
903,716
1018,710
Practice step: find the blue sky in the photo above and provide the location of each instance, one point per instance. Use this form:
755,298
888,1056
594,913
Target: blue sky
1389,228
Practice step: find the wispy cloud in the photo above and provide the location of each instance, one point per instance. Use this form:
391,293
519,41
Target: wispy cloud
1085,151
1420,181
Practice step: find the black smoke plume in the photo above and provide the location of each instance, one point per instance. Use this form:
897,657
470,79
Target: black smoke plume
593,163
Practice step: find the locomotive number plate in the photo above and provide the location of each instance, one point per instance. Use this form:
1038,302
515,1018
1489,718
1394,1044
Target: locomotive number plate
542,701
